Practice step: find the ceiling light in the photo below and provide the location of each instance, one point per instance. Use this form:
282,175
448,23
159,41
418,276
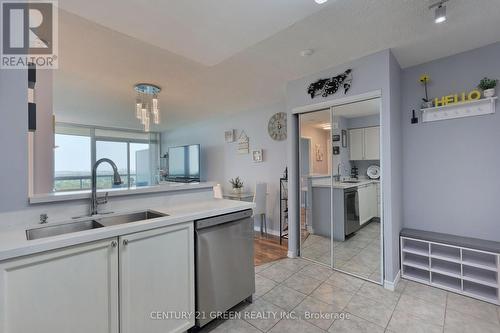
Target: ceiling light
146,104
440,11
319,2
326,126
307,52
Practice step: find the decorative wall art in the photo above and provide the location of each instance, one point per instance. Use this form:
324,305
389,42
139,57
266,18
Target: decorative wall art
326,87
319,153
229,136
257,156
335,138
344,138
336,150
243,143
277,126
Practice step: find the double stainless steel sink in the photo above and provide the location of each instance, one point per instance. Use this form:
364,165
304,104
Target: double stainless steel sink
95,222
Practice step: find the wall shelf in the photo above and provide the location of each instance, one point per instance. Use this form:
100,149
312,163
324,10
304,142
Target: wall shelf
469,271
460,110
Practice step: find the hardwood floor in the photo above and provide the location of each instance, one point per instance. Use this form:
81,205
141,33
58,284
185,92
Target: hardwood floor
268,248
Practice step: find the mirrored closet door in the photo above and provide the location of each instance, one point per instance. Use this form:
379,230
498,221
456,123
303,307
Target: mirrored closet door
357,222
340,190
315,155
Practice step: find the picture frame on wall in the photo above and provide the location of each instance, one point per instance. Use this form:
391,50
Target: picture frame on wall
257,156
335,138
229,136
344,138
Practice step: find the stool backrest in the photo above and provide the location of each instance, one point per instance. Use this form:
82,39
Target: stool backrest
260,198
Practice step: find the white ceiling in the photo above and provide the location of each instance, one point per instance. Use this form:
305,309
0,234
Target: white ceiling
206,31
99,66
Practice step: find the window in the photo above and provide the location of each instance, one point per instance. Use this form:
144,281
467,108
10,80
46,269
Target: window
78,147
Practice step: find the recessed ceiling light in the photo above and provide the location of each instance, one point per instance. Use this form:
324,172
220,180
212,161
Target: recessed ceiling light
307,52
440,11
319,2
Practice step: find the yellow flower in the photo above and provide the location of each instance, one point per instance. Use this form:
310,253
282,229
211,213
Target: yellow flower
425,78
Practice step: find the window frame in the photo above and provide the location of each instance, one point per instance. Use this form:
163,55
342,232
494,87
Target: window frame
93,146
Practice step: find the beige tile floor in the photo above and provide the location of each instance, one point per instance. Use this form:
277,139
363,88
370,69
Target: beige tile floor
290,290
359,254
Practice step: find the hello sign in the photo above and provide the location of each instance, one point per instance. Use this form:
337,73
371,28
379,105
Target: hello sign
474,95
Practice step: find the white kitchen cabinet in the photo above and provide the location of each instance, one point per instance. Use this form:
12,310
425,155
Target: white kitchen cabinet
356,138
74,289
364,143
157,275
367,198
372,143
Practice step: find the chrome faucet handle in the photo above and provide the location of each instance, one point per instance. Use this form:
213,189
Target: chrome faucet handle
103,200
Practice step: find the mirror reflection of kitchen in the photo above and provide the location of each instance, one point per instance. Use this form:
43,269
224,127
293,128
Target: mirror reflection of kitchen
340,188
315,168
356,191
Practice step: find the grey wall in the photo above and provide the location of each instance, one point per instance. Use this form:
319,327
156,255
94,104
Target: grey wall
451,181
14,139
370,73
221,161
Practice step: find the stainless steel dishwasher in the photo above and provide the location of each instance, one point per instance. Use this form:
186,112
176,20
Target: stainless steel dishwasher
225,273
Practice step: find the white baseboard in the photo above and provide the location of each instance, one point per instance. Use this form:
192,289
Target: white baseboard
269,231
392,285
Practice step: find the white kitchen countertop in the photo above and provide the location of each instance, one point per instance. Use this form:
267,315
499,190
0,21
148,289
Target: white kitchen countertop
326,182
78,195
13,242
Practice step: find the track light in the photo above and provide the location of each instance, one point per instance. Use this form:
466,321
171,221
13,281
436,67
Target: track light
440,11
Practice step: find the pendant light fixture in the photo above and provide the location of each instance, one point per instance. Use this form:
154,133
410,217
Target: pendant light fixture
147,109
440,11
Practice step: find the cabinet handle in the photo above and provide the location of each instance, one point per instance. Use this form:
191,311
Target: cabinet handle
114,243
125,242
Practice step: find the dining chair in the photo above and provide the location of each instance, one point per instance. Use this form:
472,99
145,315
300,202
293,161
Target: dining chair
260,205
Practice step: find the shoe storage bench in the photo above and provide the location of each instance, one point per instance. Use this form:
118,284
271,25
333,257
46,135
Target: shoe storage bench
463,265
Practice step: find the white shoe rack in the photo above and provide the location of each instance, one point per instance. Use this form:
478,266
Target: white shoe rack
462,270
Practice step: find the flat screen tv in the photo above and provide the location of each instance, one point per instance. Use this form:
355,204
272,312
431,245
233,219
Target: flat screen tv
184,163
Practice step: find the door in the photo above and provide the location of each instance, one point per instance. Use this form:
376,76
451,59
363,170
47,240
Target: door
157,276
372,143
360,253
70,290
315,186
356,143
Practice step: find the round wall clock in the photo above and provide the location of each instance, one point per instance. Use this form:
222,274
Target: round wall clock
277,126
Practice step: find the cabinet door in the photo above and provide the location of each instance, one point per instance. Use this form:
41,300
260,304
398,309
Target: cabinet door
157,276
70,290
356,138
373,200
372,143
364,204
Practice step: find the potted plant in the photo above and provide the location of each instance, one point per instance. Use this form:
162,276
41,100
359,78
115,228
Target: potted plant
425,79
488,87
237,185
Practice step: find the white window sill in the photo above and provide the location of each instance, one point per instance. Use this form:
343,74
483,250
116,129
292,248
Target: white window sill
79,195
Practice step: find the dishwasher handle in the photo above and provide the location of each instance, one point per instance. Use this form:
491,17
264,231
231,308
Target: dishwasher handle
222,219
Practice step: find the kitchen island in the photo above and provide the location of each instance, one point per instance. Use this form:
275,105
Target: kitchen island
328,198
